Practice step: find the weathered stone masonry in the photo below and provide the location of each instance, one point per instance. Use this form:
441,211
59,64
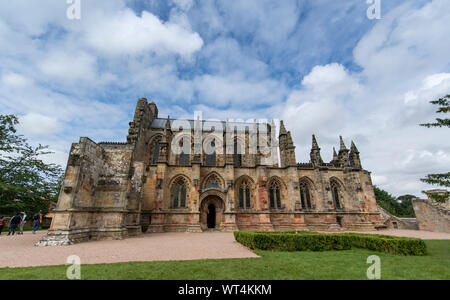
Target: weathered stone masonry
432,216
115,190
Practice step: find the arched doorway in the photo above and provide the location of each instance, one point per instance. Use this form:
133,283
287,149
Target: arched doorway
211,213
211,217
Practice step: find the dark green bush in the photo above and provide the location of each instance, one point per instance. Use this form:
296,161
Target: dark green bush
313,241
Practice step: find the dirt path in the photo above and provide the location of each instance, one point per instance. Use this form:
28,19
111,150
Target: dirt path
19,251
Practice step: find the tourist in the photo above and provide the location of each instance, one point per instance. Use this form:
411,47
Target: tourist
13,223
2,223
37,221
22,222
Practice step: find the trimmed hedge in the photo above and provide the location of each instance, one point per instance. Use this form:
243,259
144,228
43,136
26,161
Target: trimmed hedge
313,241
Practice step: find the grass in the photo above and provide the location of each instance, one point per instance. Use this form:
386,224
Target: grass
348,264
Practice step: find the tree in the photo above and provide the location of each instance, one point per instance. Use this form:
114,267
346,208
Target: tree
399,207
406,205
444,107
440,179
26,182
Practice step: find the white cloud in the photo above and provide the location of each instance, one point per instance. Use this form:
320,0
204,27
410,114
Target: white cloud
406,44
333,80
184,4
266,20
432,86
238,90
55,119
59,75
404,60
15,80
323,104
66,74
70,66
225,55
379,180
33,123
126,33
32,17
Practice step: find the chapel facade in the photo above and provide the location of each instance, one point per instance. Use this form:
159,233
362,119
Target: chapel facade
196,176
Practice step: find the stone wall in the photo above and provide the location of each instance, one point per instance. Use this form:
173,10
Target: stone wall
393,222
113,190
358,212
431,216
93,199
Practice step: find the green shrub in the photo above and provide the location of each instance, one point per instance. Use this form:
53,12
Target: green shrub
313,241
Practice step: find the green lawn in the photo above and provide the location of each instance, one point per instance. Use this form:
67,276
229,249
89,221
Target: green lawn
350,264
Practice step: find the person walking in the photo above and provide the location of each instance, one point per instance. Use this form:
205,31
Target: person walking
13,223
22,222
2,223
37,221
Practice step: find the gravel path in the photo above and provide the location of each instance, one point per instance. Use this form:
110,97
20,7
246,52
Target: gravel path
19,251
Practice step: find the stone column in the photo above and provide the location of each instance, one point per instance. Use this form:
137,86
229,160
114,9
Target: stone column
158,215
134,203
195,218
262,199
230,201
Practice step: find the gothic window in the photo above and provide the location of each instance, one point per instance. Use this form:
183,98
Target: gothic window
211,157
244,195
237,155
305,195
179,194
275,195
184,156
154,150
336,195
212,182
156,154
184,159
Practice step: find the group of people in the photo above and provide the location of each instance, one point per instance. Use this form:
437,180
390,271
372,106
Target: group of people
19,220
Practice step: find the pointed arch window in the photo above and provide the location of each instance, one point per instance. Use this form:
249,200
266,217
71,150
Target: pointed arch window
237,156
185,154
335,190
155,150
275,195
179,194
212,182
305,195
211,154
244,195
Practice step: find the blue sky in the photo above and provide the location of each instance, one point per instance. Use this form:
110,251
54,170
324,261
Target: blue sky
321,65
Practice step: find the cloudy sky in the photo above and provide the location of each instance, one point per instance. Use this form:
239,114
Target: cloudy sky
321,65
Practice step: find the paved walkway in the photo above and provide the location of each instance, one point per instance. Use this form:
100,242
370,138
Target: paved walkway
19,251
